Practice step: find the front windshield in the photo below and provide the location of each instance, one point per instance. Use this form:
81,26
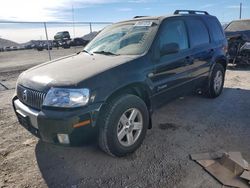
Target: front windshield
130,38
241,25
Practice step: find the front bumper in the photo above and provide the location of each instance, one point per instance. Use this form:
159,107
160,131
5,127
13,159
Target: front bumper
48,123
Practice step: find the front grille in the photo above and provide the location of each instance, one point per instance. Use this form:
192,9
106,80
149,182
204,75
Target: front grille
30,97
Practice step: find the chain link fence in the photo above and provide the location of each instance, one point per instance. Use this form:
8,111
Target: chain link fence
31,43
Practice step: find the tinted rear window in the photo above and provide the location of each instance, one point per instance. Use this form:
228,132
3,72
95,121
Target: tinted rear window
215,29
174,31
198,32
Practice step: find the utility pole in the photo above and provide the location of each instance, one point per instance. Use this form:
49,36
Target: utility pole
240,10
47,38
73,19
90,27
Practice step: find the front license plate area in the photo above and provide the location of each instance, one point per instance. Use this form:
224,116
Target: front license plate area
25,122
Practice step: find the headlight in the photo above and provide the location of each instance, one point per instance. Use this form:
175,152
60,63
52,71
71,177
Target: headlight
66,98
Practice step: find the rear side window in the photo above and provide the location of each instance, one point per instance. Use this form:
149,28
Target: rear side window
174,31
198,32
215,29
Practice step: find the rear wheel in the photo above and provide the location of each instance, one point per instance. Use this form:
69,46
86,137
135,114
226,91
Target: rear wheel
216,81
123,125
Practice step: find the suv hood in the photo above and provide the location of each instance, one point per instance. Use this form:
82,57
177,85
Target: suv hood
235,34
69,71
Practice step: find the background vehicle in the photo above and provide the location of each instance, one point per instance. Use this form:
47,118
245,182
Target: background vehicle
62,39
238,35
113,86
63,35
78,42
43,46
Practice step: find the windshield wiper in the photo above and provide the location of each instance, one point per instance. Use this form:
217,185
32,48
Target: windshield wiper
105,53
87,52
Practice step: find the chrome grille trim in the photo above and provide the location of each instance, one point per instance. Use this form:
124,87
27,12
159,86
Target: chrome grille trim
34,98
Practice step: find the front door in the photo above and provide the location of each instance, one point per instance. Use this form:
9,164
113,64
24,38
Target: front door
172,71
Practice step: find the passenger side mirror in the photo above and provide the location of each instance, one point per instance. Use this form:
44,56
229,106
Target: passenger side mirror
170,48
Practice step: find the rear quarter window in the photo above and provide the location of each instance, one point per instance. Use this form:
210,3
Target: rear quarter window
215,29
174,31
198,32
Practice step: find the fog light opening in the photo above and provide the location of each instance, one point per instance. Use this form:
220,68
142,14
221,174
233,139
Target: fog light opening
63,138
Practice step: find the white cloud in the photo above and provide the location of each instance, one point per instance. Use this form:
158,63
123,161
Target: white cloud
42,10
207,6
236,7
22,35
50,10
138,1
125,9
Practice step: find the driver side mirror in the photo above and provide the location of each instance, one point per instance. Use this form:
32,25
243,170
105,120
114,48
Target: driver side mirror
170,48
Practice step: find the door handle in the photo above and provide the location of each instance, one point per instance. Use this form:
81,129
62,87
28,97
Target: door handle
150,75
189,60
211,50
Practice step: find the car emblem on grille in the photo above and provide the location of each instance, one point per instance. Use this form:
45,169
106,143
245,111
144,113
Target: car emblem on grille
25,95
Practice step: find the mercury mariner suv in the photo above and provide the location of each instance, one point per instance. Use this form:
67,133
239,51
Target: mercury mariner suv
110,89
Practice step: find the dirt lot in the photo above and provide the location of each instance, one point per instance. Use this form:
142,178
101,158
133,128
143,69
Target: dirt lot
187,125
26,58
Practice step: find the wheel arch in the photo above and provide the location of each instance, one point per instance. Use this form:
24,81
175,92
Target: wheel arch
222,61
218,60
141,90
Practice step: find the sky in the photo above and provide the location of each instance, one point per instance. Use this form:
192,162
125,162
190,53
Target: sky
98,11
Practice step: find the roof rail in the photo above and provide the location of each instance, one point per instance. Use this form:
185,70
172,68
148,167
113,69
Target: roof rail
191,12
139,17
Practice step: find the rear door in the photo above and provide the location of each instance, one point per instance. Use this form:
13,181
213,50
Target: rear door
200,43
172,71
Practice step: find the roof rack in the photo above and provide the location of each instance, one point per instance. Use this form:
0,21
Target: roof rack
191,12
139,17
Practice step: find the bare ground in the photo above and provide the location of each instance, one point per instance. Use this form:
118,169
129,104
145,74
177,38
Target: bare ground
187,125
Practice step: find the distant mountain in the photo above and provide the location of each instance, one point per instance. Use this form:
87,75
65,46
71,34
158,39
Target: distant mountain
35,42
90,36
7,43
87,37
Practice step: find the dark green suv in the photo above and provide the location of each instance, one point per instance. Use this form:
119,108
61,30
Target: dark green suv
112,87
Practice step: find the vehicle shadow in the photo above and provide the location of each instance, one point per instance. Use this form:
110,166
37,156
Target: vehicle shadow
65,166
239,67
86,165
203,123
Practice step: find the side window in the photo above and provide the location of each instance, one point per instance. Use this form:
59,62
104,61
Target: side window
216,29
174,31
198,32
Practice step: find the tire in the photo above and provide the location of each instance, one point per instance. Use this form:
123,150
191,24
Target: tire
111,123
216,81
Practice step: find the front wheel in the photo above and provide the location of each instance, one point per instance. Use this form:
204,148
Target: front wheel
216,81
123,125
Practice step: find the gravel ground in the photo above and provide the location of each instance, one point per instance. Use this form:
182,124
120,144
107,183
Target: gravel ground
22,59
187,125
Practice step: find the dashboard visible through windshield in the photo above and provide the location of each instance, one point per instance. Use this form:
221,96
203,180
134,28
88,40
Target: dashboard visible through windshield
130,38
